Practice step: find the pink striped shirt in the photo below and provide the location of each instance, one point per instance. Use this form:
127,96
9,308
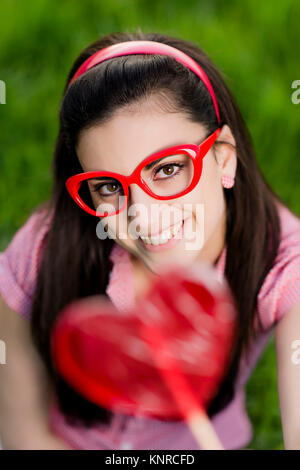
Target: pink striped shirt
279,292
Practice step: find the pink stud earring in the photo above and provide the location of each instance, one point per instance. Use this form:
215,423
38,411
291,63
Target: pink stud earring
227,181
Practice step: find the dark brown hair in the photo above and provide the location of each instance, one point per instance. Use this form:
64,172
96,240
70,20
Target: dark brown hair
76,263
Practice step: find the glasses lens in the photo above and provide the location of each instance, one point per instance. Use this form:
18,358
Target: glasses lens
103,194
169,175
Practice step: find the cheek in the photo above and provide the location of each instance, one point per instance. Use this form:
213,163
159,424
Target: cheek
211,196
116,224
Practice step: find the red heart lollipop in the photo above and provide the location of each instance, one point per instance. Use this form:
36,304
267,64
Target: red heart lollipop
165,358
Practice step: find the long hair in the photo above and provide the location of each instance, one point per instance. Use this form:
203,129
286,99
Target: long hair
76,263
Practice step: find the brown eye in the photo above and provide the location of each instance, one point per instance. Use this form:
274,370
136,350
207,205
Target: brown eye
107,189
168,170
172,169
111,187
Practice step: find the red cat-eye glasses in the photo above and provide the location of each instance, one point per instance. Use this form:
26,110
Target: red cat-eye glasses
109,191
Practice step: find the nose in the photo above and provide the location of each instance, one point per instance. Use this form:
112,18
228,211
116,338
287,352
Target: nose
138,196
146,209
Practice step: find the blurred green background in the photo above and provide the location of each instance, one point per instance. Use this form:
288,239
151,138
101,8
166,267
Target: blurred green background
256,45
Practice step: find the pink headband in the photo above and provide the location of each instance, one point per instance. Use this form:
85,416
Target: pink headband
146,47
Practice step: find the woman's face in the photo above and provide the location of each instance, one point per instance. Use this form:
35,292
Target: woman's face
120,144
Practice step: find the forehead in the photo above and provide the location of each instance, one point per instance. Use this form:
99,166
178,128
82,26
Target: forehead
131,135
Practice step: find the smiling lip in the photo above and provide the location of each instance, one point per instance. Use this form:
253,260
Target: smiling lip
162,230
169,244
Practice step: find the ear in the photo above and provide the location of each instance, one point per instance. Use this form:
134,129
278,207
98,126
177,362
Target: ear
225,152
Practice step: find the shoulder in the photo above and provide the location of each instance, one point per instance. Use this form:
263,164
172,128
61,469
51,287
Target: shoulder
19,262
281,287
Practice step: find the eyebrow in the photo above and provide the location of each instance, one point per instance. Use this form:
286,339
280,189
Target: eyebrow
150,165
147,167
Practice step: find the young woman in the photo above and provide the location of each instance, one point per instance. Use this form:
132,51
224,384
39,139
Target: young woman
119,115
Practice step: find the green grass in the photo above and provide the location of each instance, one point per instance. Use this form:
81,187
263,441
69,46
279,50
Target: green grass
262,402
256,45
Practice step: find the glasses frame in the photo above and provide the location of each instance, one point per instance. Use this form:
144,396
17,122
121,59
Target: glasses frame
196,152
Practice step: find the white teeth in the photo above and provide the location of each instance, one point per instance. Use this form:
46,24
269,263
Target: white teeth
164,236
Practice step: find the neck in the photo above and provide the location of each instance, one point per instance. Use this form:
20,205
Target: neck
213,248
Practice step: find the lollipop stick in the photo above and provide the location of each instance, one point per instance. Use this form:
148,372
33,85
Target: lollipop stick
203,431
194,415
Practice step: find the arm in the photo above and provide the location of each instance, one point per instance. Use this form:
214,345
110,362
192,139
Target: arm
24,390
287,331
